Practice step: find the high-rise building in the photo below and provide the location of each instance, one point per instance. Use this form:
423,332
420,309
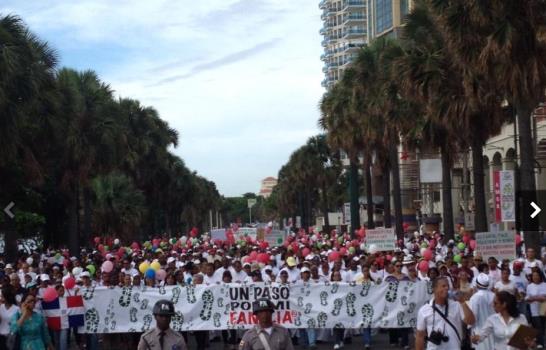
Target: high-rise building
345,32
268,184
385,17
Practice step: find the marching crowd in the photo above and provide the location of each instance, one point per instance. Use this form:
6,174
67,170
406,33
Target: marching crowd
478,301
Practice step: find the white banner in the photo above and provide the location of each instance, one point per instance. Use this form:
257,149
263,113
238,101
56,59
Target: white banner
507,196
244,232
500,244
275,238
218,234
383,238
229,306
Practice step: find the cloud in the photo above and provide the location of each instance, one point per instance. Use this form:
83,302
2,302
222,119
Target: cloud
223,61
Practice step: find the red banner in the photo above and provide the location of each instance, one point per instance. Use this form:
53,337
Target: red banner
497,194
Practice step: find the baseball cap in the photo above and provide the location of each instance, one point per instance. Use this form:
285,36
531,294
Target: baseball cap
262,305
170,260
85,274
291,261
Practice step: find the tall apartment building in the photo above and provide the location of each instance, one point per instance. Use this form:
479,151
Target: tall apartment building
385,17
345,32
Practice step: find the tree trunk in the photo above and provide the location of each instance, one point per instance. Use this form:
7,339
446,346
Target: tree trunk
353,196
387,195
527,183
309,211
73,234
479,186
369,193
87,215
325,209
397,193
446,194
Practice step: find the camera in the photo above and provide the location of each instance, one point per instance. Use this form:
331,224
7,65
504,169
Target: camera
436,338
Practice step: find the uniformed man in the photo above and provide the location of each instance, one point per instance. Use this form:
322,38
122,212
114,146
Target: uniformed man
265,335
162,337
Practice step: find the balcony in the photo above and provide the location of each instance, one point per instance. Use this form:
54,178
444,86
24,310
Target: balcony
323,4
351,33
353,47
323,31
350,4
325,42
354,18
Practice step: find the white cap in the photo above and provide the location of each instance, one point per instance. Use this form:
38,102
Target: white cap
9,266
482,281
197,262
30,260
84,274
44,277
305,269
170,259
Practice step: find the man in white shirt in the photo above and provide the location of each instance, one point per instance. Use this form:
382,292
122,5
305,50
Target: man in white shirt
210,277
531,262
481,304
432,328
237,272
293,271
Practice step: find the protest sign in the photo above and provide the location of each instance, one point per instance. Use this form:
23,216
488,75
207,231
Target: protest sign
384,239
218,234
229,306
244,232
275,238
500,244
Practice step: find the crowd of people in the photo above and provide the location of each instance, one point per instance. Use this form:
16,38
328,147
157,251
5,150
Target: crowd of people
491,297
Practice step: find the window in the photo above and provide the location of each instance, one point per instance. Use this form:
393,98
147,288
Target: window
383,15
404,8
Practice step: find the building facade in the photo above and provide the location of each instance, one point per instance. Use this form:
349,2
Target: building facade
267,186
345,32
386,17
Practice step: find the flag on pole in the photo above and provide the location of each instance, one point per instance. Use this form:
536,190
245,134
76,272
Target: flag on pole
64,313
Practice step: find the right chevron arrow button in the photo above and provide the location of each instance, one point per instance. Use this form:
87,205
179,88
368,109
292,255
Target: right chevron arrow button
537,210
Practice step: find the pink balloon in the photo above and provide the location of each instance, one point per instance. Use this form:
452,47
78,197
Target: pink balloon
427,254
389,257
333,256
263,258
253,255
69,283
305,251
50,294
466,239
423,266
473,244
160,275
107,266
343,251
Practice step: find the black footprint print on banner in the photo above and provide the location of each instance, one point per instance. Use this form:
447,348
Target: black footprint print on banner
400,318
350,299
311,323
404,300
125,298
144,304
136,297
208,301
367,315
220,302
392,292
162,289
133,314
297,320
190,294
339,325
177,321
411,307
324,298
338,303
92,320
322,318
335,288
147,323
365,289
176,295
413,322
89,293
113,326
216,318
300,301
308,308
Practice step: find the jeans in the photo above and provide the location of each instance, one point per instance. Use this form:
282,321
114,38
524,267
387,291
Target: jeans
91,341
61,339
309,336
367,336
538,323
339,334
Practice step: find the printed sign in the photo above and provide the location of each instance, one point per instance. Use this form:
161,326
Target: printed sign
507,196
218,234
500,244
275,238
229,306
243,232
383,238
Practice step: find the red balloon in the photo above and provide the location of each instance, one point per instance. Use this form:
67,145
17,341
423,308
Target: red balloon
472,243
423,266
518,239
343,251
253,255
101,247
69,283
295,247
432,244
50,294
389,257
135,245
466,239
263,258
333,256
264,245
427,254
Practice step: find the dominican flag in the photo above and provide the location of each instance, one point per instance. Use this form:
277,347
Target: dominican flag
64,313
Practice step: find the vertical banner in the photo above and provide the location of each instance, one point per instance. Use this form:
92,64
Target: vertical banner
507,196
496,189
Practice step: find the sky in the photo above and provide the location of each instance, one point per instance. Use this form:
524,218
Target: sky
239,79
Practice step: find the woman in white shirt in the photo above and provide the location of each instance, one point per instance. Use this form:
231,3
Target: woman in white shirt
536,294
505,284
8,308
504,323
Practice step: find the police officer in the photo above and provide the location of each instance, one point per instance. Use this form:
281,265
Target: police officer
162,337
265,335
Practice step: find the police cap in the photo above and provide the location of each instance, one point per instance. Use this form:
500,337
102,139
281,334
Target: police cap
164,307
262,304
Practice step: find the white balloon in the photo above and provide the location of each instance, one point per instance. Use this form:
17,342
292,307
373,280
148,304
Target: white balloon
76,271
362,246
30,260
116,241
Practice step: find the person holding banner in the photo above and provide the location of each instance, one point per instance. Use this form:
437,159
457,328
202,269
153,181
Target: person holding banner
162,337
265,335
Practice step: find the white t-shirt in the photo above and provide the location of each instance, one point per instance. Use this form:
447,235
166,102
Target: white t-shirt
520,282
5,317
510,287
210,279
527,267
426,316
238,277
501,332
534,290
